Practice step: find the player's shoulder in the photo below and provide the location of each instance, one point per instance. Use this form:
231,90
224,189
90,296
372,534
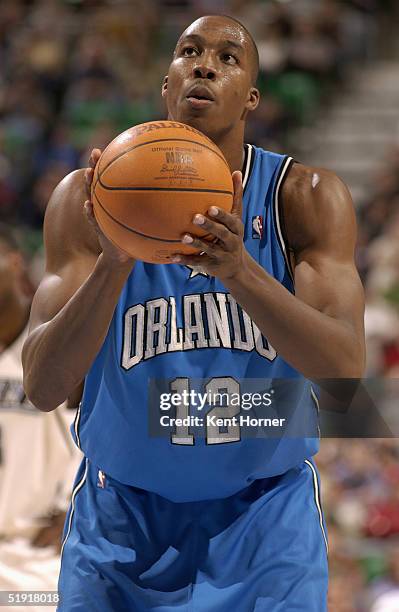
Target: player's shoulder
303,180
65,223
310,190
316,202
67,196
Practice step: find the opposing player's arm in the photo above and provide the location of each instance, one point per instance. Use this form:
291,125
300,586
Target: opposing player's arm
319,330
74,303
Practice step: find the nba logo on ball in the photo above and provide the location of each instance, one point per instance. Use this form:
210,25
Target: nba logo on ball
257,227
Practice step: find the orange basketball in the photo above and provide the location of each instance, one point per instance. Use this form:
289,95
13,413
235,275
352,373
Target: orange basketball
149,183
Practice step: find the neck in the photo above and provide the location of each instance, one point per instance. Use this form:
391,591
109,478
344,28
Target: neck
14,312
230,142
232,146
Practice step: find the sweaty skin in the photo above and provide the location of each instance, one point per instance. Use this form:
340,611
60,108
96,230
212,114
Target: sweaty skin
319,330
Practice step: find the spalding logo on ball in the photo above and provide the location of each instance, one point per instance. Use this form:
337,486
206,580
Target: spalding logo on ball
150,182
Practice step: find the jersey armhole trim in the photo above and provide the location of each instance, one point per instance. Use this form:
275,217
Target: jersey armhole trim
76,424
249,156
278,213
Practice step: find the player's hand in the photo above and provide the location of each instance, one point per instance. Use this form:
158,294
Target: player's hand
225,256
89,172
110,251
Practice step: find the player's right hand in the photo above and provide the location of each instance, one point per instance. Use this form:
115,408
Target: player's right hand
110,251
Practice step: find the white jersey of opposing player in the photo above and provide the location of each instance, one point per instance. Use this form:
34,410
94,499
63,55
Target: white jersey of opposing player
37,456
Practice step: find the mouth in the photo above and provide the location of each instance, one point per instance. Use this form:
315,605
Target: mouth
200,97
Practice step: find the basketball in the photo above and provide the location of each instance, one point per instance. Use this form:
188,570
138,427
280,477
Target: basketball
149,183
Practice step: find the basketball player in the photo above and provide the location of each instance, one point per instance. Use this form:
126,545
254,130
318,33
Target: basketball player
35,449
212,523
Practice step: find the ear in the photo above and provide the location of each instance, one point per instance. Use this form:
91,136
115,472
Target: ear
253,99
164,89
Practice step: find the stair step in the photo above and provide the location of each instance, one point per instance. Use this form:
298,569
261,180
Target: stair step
355,127
366,110
366,166
355,135
380,139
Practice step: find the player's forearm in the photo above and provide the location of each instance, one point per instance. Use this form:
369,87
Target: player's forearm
314,343
58,354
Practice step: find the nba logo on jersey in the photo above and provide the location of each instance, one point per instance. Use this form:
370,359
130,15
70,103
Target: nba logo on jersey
257,227
101,479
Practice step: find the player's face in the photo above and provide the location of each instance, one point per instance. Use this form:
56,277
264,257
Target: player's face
209,82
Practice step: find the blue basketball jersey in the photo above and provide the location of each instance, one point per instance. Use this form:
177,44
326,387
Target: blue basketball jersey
173,323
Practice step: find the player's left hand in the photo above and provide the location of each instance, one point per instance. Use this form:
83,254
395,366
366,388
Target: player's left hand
224,256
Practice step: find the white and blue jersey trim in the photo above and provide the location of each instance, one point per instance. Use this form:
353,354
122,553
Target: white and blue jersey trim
283,172
277,204
317,500
75,491
76,425
247,166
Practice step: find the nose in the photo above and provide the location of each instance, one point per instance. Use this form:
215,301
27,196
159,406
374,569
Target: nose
203,72
204,69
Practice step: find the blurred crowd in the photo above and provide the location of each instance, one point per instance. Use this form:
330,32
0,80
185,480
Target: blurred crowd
360,493
378,263
73,74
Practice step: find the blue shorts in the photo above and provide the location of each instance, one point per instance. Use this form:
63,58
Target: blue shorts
262,549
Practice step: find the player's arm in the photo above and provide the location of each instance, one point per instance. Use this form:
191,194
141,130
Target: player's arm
319,330
75,301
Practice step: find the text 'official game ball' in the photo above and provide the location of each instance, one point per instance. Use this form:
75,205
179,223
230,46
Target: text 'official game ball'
150,182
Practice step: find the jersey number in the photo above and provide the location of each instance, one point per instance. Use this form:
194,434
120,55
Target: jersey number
216,387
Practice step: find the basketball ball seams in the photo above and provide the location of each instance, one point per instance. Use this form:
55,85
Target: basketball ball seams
109,238
177,189
130,229
151,142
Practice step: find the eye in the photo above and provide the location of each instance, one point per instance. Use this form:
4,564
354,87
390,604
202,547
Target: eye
189,51
229,58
